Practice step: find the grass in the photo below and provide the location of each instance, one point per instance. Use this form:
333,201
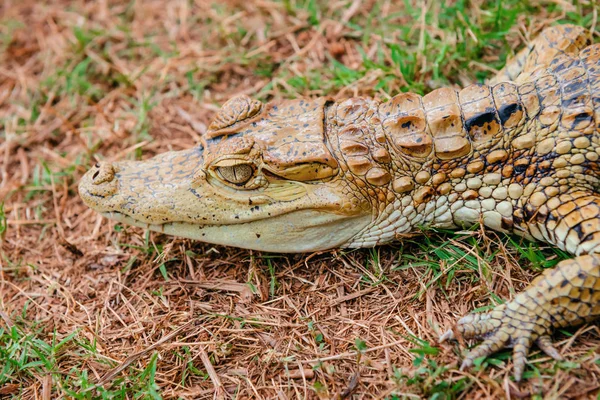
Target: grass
94,310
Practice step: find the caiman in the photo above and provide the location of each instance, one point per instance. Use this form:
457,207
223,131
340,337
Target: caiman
517,155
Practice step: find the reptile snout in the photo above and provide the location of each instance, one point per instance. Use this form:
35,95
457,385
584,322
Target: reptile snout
100,181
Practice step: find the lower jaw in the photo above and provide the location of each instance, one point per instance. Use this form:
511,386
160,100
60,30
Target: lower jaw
296,232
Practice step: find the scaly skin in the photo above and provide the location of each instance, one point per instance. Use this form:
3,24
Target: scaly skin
519,155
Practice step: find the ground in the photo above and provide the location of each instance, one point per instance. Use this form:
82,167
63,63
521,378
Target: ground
92,309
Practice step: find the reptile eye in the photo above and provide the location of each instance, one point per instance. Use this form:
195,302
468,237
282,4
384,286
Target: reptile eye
237,174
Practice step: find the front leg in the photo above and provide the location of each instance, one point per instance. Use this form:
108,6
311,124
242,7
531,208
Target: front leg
564,296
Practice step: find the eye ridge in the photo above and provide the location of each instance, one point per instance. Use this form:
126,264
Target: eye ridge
235,110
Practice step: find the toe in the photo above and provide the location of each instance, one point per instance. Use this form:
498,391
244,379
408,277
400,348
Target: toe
520,351
487,347
478,325
545,344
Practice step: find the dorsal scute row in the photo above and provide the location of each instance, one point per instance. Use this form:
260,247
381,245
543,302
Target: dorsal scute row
559,99
481,120
590,58
445,121
508,105
451,124
362,149
403,120
572,77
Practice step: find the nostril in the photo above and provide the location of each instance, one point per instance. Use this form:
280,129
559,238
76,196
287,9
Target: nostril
97,165
104,173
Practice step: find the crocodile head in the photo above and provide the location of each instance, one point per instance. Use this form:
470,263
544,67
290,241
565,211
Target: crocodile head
263,178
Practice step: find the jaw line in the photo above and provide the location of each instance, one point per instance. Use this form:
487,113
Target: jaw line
282,234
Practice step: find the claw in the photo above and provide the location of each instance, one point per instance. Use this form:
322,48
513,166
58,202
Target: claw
466,364
545,344
448,335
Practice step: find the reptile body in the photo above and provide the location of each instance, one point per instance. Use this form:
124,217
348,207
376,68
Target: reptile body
519,155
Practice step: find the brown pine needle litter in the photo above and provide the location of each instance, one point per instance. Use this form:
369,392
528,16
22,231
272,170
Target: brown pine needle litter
92,309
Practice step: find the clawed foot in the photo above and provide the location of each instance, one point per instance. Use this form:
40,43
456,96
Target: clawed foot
508,325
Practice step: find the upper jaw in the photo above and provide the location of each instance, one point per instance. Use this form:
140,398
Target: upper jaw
147,190
174,188
185,202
